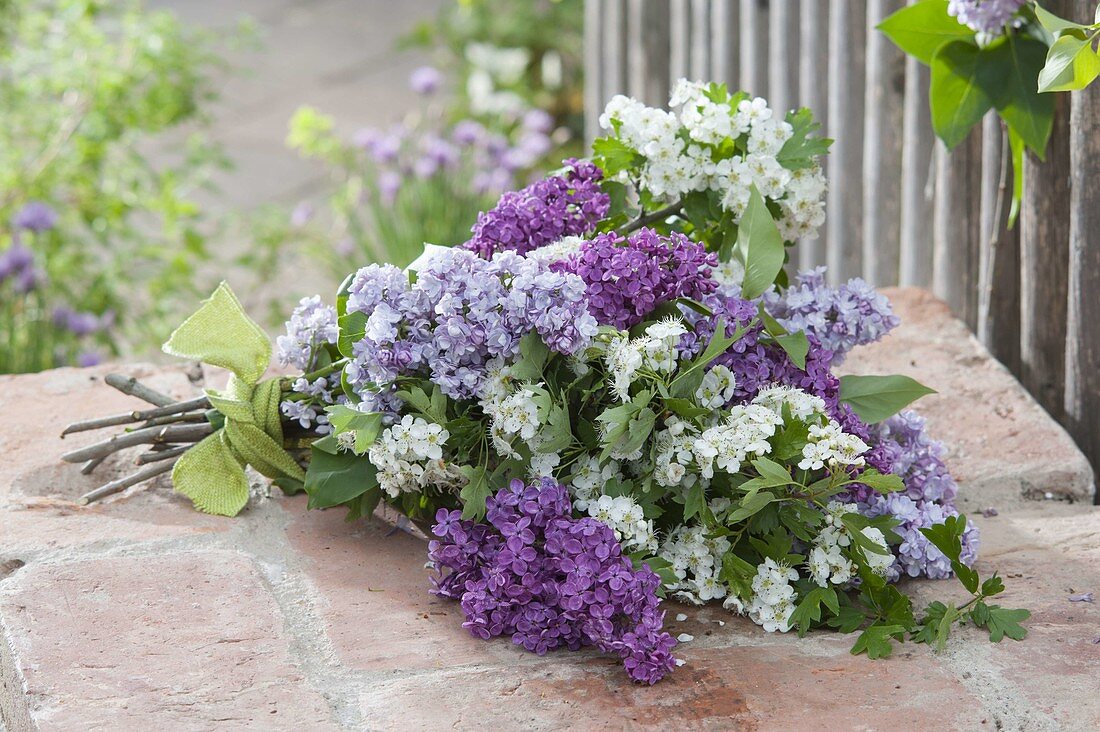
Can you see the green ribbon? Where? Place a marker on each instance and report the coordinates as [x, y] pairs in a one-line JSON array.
[[211, 473]]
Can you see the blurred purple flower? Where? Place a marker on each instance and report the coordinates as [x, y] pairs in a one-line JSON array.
[[301, 214], [389, 183], [426, 80], [538, 120], [425, 167], [36, 216], [468, 132], [89, 358]]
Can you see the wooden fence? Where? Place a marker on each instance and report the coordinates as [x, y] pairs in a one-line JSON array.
[[901, 209]]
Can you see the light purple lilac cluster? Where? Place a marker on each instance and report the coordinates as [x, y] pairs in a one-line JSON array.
[[312, 327], [461, 312], [627, 278], [550, 580], [928, 499], [840, 318], [985, 16], [569, 204]]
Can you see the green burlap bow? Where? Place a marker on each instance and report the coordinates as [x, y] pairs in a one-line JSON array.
[[211, 473]]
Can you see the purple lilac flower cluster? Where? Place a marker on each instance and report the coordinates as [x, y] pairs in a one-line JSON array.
[[928, 499], [312, 326], [840, 318], [563, 205], [628, 278], [489, 162], [17, 261], [984, 16], [550, 581], [461, 312]]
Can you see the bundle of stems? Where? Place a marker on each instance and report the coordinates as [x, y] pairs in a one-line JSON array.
[[170, 428]]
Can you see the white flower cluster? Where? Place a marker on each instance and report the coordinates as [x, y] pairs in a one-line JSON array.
[[832, 446], [625, 517], [827, 562], [716, 389], [802, 404], [654, 351], [588, 477], [675, 166], [511, 416], [674, 454], [773, 596], [557, 251], [409, 456], [696, 561], [743, 435]]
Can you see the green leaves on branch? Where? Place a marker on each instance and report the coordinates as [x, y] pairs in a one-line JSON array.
[[875, 398], [922, 28], [1071, 64], [759, 247]]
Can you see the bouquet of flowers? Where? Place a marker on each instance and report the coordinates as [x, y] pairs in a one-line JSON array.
[[610, 394]]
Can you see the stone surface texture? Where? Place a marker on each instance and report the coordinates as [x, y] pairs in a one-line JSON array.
[[139, 613]]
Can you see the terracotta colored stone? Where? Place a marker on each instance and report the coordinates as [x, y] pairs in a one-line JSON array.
[[375, 601], [1001, 444], [40, 491], [190, 641], [744, 687]]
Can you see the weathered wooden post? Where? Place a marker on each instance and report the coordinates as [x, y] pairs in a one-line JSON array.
[[1082, 390], [955, 226], [1044, 254], [843, 224], [998, 251], [884, 101], [813, 93]]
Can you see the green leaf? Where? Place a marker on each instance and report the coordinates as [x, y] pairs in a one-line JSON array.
[[1012, 80], [808, 612], [475, 492], [615, 155], [556, 430], [881, 483], [1054, 24], [935, 625], [796, 344], [685, 408], [875, 640], [957, 96], [922, 28], [803, 148], [352, 328], [875, 398], [847, 620], [1000, 621], [1071, 64], [1016, 145], [333, 479], [759, 247], [695, 501], [993, 586], [366, 426], [533, 357], [750, 506], [947, 537], [774, 474]]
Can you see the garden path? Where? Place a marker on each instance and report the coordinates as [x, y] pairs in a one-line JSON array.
[[139, 613]]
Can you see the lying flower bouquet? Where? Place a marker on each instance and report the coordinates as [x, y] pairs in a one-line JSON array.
[[609, 394]]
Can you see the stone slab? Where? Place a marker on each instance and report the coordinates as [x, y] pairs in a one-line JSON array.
[[1001, 444], [191, 641]]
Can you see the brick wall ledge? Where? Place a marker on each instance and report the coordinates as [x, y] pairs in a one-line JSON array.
[[140, 613]]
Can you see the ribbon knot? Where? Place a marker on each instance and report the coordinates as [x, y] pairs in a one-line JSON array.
[[211, 473]]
